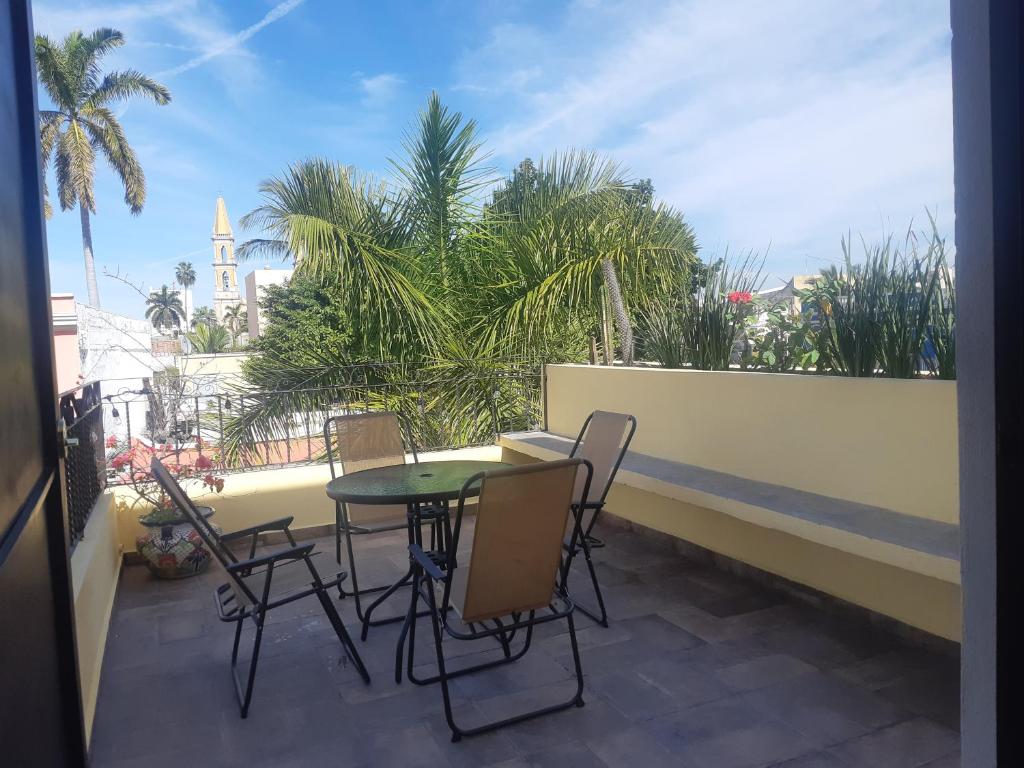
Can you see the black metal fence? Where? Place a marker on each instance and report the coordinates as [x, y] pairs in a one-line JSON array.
[[85, 470], [241, 427]]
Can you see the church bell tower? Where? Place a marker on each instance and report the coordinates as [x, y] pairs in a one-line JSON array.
[[225, 282]]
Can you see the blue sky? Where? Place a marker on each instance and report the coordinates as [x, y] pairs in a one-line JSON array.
[[776, 127]]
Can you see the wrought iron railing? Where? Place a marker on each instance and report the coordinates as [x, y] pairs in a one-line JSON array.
[[85, 472], [241, 427]]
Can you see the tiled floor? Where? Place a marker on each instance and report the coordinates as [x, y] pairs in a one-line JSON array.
[[699, 668]]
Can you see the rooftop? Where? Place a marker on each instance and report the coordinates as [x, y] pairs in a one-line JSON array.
[[699, 667]]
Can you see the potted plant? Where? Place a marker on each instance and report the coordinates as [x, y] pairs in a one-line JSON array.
[[172, 547]]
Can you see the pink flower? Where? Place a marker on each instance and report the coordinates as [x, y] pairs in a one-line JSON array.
[[122, 460], [740, 297], [111, 442]]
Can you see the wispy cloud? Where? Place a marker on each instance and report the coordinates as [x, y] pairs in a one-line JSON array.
[[232, 42], [783, 123], [380, 89]]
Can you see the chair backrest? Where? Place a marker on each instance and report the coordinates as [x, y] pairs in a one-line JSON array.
[[517, 541], [221, 557], [360, 441], [603, 442]]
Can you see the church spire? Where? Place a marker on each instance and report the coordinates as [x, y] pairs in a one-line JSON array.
[[221, 224]]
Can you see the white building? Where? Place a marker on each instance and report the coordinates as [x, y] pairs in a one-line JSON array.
[[256, 283]]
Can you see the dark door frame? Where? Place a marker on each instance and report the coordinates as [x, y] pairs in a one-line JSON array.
[[988, 132], [50, 489]]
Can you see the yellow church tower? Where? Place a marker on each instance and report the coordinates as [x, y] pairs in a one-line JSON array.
[[225, 282]]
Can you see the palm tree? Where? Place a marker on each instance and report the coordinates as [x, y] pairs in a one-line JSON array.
[[83, 121], [570, 243], [235, 319], [203, 316], [345, 224], [164, 309], [185, 276], [209, 339]]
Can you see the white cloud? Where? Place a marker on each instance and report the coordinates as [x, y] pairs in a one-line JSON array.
[[783, 123], [380, 89], [221, 45]]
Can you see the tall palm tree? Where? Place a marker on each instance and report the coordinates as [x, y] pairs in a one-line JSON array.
[[203, 316], [83, 121], [164, 309], [185, 276]]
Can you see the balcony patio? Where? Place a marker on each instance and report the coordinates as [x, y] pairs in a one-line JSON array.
[[767, 607], [698, 668]]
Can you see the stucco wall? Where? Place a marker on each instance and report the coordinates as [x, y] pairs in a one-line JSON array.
[[95, 565], [886, 442]]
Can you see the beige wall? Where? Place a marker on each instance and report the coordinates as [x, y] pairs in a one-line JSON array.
[[258, 496], [95, 565], [224, 364], [887, 442]]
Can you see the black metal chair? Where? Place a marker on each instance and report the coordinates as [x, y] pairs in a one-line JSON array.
[[603, 441], [511, 581], [251, 590], [360, 441]]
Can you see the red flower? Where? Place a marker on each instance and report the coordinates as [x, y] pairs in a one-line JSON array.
[[203, 463], [121, 460], [111, 442], [210, 480], [740, 297]]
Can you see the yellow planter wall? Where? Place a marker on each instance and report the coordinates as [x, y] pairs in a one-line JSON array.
[[886, 442], [95, 566], [267, 494]]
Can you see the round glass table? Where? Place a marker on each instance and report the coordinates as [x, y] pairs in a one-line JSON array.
[[415, 485], [421, 483]]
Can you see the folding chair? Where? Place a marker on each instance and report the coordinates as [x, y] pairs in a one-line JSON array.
[[511, 580], [603, 442], [248, 594], [366, 441]]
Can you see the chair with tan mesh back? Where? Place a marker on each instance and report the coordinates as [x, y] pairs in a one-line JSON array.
[[366, 441], [258, 584], [509, 583], [603, 441]]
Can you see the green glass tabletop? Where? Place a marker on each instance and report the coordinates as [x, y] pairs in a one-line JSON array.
[[408, 483]]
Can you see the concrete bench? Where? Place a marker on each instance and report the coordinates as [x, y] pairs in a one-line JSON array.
[[927, 547]]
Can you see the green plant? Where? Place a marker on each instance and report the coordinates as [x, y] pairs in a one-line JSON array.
[[661, 328], [84, 121], [783, 341], [940, 354], [203, 316], [874, 316], [713, 316], [209, 339]]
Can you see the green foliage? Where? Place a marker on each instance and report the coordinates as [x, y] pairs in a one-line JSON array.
[[209, 339], [203, 316], [713, 316], [185, 274], [303, 315], [941, 358], [875, 316], [164, 309], [782, 342]]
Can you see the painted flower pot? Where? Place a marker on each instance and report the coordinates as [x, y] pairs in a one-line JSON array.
[[172, 548]]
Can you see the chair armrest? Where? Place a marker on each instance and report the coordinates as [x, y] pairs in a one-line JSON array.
[[293, 553], [423, 559], [273, 525]]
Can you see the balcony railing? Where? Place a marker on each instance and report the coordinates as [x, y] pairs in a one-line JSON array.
[[445, 406], [85, 473]]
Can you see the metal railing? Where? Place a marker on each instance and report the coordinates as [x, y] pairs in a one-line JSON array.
[[243, 428], [85, 470]]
